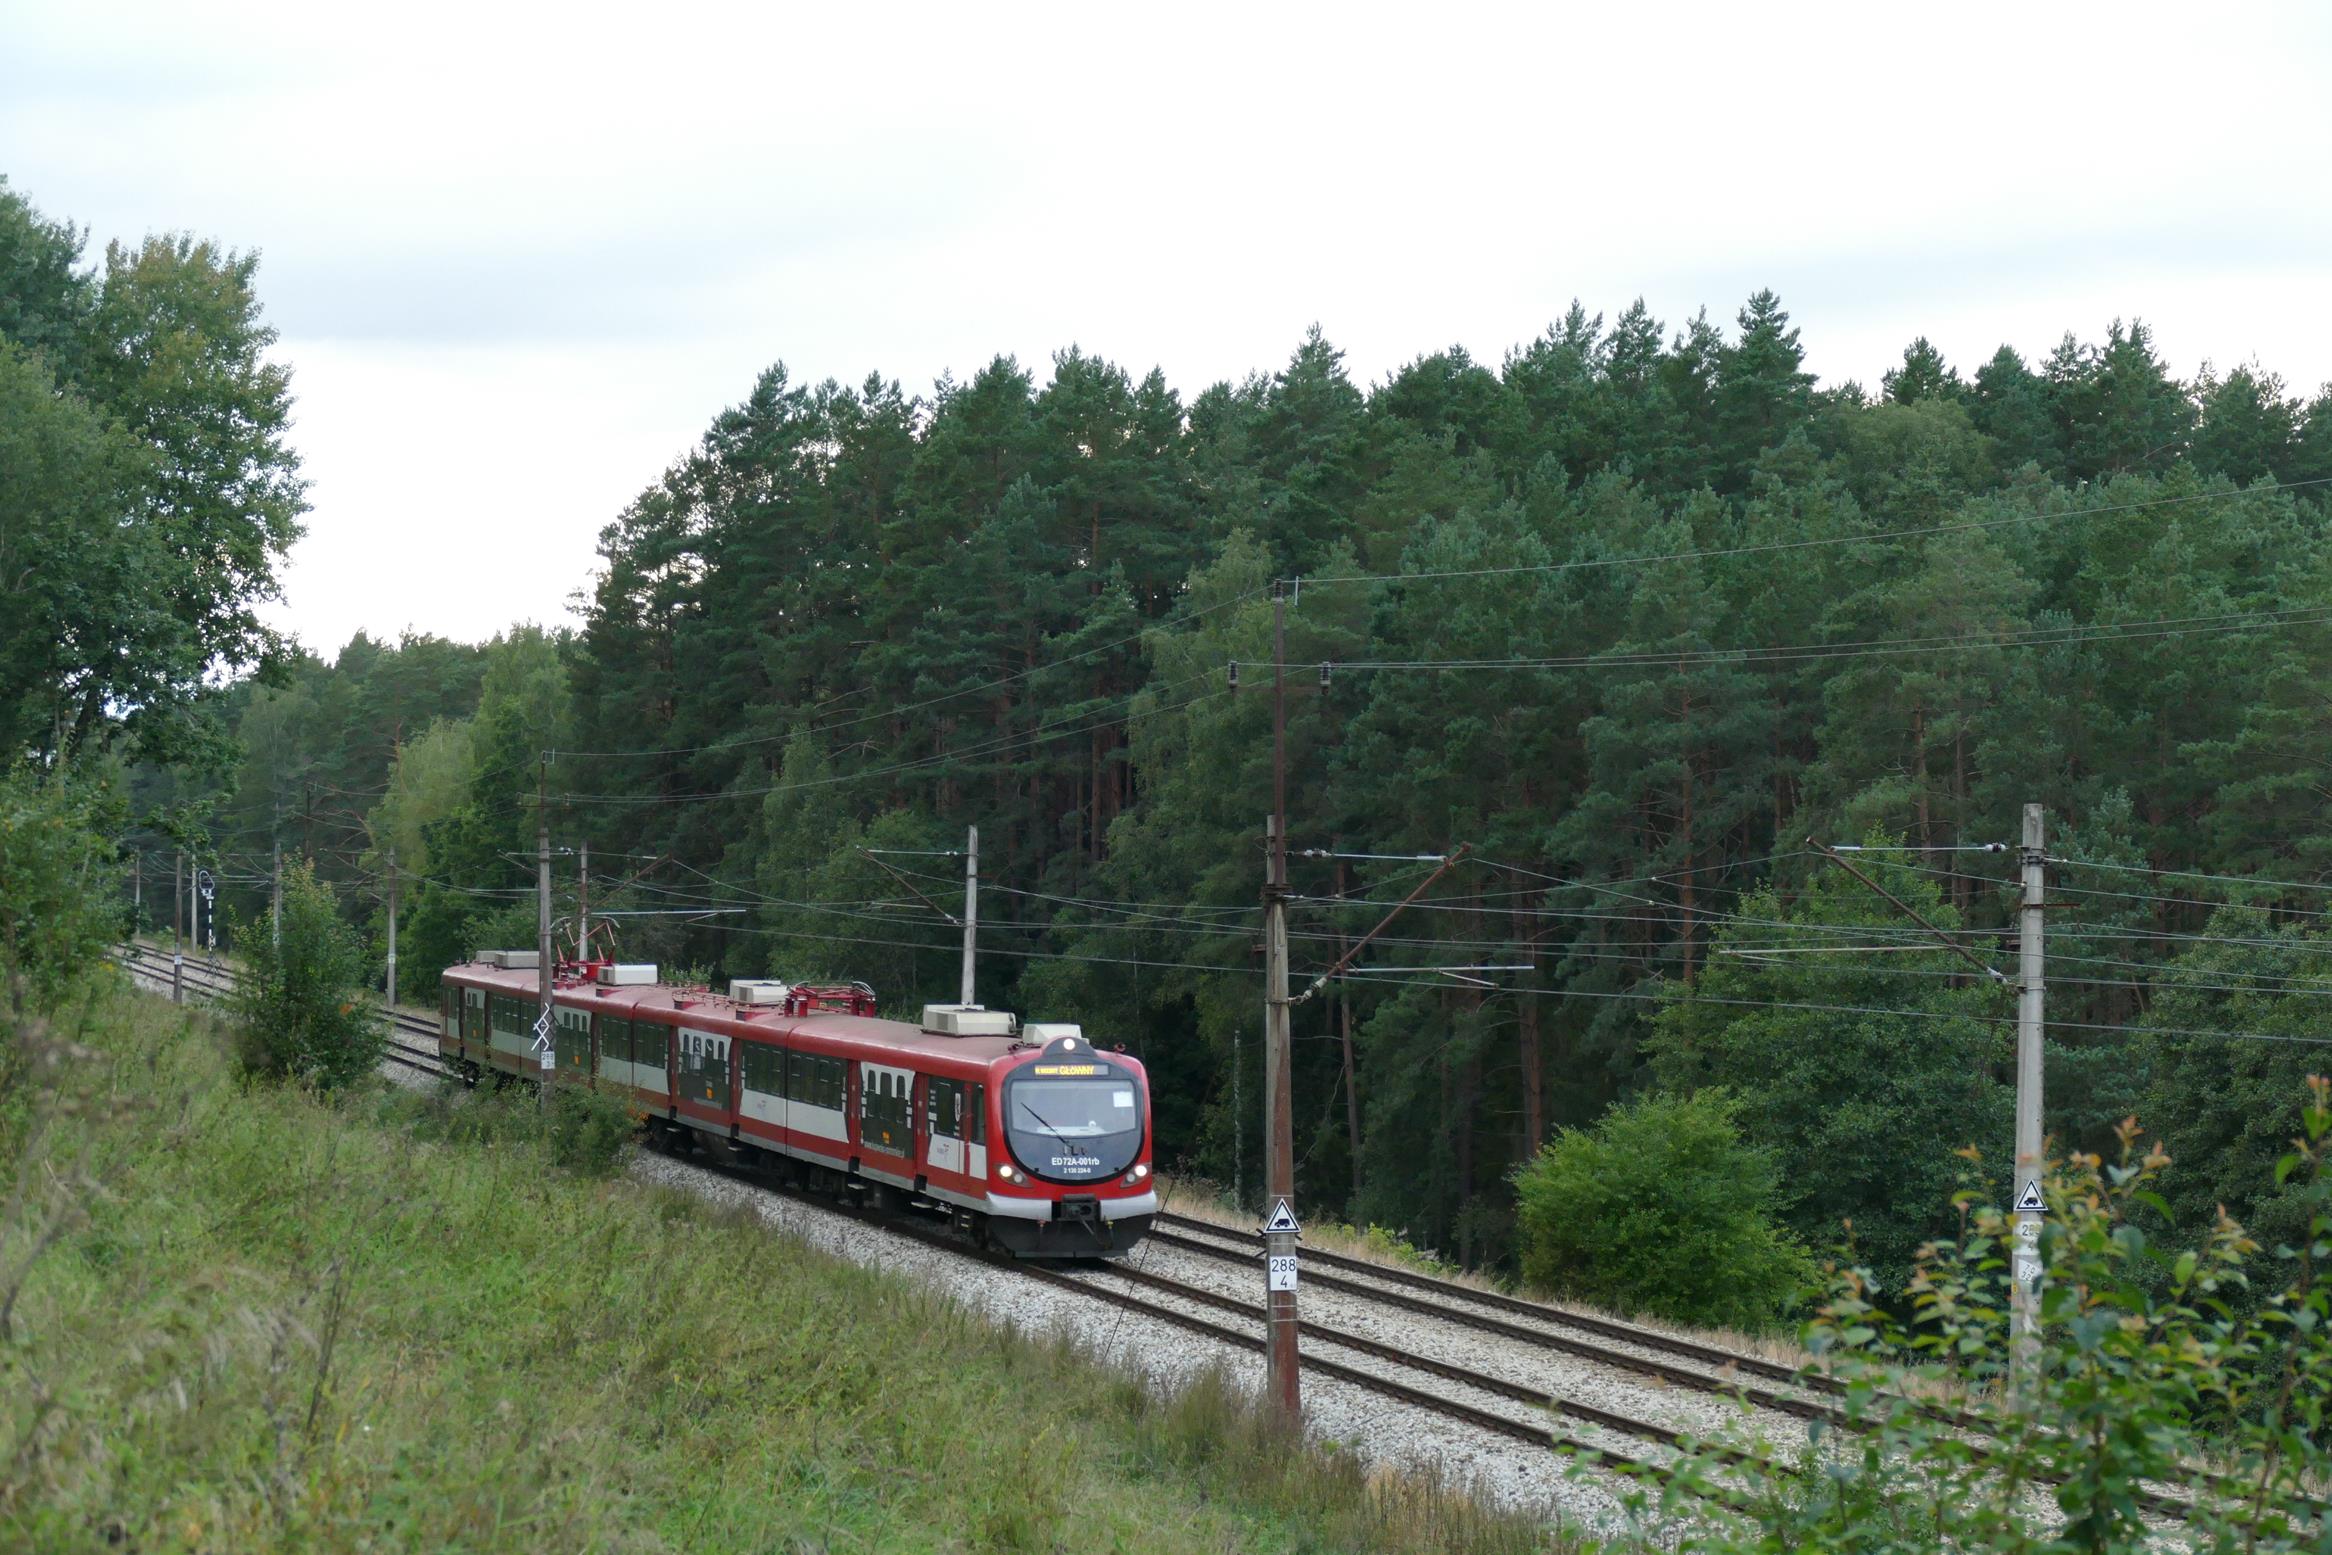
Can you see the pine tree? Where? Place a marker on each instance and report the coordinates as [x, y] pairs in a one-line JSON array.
[[2010, 405], [1863, 1074], [1762, 387], [2248, 425], [1923, 376]]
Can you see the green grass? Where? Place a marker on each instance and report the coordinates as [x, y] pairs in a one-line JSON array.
[[247, 1319]]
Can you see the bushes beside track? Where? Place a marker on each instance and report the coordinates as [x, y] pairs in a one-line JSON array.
[[247, 1317]]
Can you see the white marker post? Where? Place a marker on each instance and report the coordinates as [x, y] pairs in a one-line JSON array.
[[206, 885], [1279, 1264]]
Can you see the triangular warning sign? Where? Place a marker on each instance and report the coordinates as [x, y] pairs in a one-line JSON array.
[[2030, 1202], [1282, 1218]]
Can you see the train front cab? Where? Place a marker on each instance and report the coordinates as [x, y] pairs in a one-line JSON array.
[[1072, 1128]]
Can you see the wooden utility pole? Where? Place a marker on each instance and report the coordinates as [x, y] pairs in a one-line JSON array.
[[178, 929], [547, 1032], [2030, 1030], [392, 956], [1351, 1074], [1279, 1153]]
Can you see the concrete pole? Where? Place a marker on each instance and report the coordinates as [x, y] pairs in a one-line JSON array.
[[2030, 1027], [971, 910], [137, 895], [275, 895], [542, 927], [392, 956], [1279, 1161], [583, 905], [178, 904]]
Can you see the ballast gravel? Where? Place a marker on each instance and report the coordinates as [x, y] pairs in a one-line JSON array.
[[1497, 1469], [1598, 1385]]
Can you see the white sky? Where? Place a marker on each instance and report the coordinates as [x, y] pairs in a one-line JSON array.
[[521, 256]]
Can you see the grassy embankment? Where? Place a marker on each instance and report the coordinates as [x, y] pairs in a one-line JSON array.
[[241, 1318]]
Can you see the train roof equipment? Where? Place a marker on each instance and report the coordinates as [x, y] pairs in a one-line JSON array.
[[968, 1020]]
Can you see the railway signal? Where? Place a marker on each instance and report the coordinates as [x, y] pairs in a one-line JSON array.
[[206, 929]]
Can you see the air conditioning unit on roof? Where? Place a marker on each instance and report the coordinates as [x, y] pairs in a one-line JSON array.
[[513, 960], [967, 1020], [628, 974], [758, 990], [1043, 1031]]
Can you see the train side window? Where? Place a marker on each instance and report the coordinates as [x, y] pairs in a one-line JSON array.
[[760, 1066], [975, 1104], [944, 1105]]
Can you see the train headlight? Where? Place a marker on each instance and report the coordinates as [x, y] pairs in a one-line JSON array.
[[1006, 1172], [1139, 1173]]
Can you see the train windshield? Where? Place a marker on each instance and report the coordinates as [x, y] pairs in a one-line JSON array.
[[1074, 1130]]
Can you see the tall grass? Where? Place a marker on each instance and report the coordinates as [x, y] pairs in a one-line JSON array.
[[249, 1318]]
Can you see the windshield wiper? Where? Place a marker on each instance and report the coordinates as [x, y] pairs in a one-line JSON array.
[[1041, 1123]]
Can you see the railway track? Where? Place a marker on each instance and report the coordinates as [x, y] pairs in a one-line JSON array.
[[1179, 1310], [210, 981], [1485, 1309], [1465, 1305], [1404, 1290], [1547, 1335], [1091, 1282]]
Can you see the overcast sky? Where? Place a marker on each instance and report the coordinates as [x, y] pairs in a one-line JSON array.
[[520, 257]]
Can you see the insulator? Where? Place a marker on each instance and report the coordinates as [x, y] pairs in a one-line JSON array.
[[1324, 669], [1234, 674]]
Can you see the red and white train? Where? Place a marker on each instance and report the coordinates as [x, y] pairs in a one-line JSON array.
[[1029, 1137]]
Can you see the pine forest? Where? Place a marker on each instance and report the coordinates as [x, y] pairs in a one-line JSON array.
[[1641, 616]]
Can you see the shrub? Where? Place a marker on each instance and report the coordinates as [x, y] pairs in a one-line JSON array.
[[587, 1130], [1661, 1208], [2143, 1377], [302, 1011], [584, 1132], [56, 913]]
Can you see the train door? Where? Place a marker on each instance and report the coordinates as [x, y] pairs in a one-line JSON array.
[[473, 1017], [885, 1110], [975, 1115], [943, 1125]]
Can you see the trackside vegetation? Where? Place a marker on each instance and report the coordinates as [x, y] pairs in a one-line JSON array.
[[59, 875], [2195, 1367], [301, 1008], [254, 1316], [1662, 1209]]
